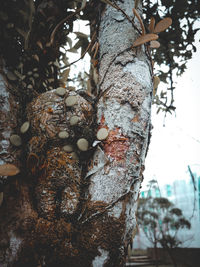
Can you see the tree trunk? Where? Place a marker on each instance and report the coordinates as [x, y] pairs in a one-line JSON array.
[[67, 209]]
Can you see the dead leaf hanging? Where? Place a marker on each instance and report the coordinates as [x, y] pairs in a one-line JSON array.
[[145, 38], [154, 44], [151, 25], [163, 25], [135, 12], [8, 170], [65, 75], [156, 81]]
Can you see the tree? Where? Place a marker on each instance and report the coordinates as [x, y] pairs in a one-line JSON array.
[[161, 221], [67, 199]]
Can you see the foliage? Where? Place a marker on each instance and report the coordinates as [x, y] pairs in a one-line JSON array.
[[177, 44], [160, 219], [35, 34]]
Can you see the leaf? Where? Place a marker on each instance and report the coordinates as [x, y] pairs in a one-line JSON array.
[[145, 38], [69, 41], [39, 44], [140, 20], [8, 170], [81, 35], [72, 50], [163, 25], [77, 45], [151, 25], [154, 44], [65, 75], [83, 4], [156, 81]]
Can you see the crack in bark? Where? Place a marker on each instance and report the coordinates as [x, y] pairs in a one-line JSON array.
[[110, 205]]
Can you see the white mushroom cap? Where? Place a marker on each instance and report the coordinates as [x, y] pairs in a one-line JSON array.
[[82, 144], [102, 134], [15, 140], [71, 101], [63, 135], [25, 126]]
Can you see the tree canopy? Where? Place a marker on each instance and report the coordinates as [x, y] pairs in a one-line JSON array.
[[34, 31]]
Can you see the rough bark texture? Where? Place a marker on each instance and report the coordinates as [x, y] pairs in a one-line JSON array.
[[125, 86], [67, 209]]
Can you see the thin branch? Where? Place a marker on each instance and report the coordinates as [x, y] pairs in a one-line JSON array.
[[82, 56], [63, 21]]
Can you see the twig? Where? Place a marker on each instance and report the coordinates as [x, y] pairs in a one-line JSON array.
[[82, 56], [61, 22]]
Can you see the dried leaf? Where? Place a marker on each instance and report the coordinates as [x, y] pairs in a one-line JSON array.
[[8, 170], [156, 81], [140, 20], [39, 44], [154, 44], [145, 38], [65, 75], [151, 25], [137, 3], [96, 50], [163, 25]]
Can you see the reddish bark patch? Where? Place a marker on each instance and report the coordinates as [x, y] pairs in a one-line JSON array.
[[136, 118], [116, 145]]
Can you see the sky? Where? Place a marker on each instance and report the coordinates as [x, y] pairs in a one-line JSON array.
[[177, 144]]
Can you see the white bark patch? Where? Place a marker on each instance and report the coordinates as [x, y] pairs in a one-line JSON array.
[[117, 115], [109, 186], [116, 210], [4, 94], [5, 107], [140, 70], [100, 260], [15, 243]]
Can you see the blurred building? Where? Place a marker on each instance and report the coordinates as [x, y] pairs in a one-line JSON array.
[[185, 194]]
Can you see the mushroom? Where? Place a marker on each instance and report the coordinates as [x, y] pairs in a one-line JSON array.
[[82, 144]]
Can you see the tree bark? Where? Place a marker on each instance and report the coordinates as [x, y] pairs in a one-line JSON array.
[[79, 210]]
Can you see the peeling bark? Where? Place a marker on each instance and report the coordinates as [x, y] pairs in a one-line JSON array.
[[77, 208]]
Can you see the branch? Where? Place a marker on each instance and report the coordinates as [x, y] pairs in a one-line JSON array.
[[82, 56], [63, 21]]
